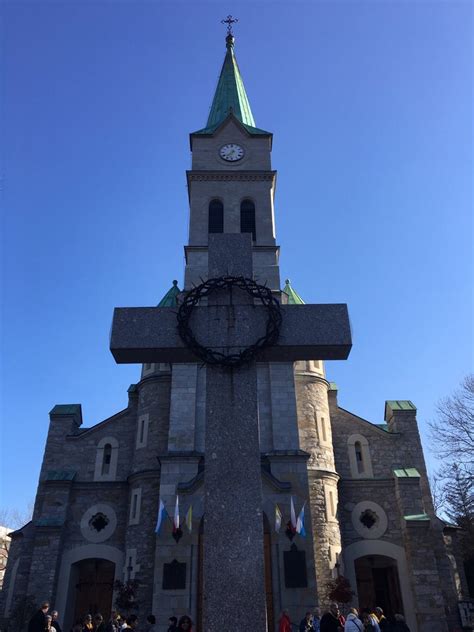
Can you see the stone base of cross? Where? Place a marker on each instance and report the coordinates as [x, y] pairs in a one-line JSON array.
[[233, 567]]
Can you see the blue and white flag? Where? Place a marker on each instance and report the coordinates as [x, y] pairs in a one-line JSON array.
[[162, 513], [300, 522]]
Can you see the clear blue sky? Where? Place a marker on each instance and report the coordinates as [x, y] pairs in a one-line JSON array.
[[370, 104]]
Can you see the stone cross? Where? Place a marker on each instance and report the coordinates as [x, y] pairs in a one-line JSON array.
[[233, 566]]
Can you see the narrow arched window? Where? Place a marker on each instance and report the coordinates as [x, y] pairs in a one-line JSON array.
[[216, 216], [106, 459], [247, 218], [359, 457]]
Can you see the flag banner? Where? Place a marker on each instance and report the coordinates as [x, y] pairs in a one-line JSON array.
[[278, 517], [177, 531], [162, 513], [176, 514], [290, 530], [292, 514], [189, 519], [300, 522]]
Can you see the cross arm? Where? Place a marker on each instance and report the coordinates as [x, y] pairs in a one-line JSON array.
[[308, 332]]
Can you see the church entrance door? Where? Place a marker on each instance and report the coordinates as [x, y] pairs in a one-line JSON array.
[[93, 587], [267, 548], [378, 584]]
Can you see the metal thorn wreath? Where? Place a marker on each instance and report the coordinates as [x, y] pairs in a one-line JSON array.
[[216, 358]]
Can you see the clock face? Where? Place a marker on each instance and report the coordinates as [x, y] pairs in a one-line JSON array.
[[231, 152]]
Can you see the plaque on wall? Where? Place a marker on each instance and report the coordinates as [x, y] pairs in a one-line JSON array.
[[174, 576], [294, 562]]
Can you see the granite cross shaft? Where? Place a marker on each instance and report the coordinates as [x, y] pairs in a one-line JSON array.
[[233, 567]]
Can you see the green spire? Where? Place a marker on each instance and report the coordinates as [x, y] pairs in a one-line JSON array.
[[293, 297], [230, 93], [170, 298]]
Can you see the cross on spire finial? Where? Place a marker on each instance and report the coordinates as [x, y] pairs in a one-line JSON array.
[[229, 21]]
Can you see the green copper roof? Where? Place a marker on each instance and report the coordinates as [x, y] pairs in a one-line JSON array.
[[66, 409], [169, 299], [293, 297], [230, 93], [407, 472], [60, 475], [230, 98], [417, 518], [399, 404]]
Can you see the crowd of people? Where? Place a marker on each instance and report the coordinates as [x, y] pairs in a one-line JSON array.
[[42, 621], [334, 621]]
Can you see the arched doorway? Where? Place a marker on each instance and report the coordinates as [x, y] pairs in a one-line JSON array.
[[267, 551], [92, 582], [378, 583]]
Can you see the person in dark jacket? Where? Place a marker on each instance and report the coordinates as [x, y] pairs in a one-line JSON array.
[[384, 623], [185, 624], [132, 622], [173, 624], [38, 620], [399, 624], [114, 622], [306, 624], [330, 621], [55, 622], [99, 623]]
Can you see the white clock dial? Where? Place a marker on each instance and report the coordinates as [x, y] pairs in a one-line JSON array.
[[231, 152]]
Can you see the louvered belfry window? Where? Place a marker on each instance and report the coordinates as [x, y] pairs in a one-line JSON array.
[[216, 216], [247, 218]]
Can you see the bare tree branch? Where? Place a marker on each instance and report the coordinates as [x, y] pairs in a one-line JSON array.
[[438, 494], [452, 433], [16, 518]]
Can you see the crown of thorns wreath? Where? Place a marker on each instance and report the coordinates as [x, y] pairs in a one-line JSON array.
[[231, 360]]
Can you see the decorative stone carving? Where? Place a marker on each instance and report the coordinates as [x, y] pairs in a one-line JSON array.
[[98, 523], [369, 519]]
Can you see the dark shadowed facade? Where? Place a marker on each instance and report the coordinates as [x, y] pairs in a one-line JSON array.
[[368, 515]]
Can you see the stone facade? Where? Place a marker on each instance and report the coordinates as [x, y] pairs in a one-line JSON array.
[[368, 509], [158, 452]]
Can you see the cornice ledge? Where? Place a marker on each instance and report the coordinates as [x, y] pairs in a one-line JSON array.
[[285, 455], [231, 175], [182, 455], [143, 474], [318, 472]]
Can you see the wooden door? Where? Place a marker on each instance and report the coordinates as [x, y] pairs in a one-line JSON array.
[[94, 588]]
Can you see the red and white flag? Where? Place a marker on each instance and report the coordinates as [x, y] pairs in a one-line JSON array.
[[293, 514], [176, 515]]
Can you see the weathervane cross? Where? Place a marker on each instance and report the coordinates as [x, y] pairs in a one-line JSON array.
[[229, 21]]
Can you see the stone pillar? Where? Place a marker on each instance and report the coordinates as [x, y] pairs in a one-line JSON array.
[[149, 441], [401, 418], [314, 427], [51, 503], [47, 549], [420, 543]]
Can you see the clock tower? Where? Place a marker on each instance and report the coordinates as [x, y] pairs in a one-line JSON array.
[[231, 184]]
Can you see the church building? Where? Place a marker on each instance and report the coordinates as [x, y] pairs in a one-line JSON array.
[[359, 489]]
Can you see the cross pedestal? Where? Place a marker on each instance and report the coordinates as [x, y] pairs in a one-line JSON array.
[[233, 570]]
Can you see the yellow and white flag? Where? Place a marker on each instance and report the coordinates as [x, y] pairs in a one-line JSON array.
[[278, 517], [189, 519]]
